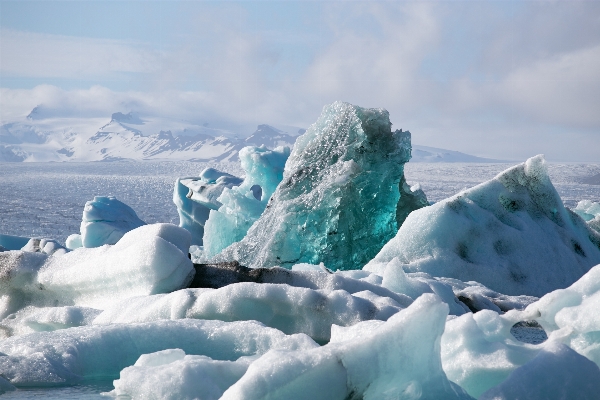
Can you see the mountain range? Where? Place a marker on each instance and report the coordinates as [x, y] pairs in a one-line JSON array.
[[39, 138]]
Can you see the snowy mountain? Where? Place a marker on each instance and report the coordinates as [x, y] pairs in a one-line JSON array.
[[126, 137], [41, 137]]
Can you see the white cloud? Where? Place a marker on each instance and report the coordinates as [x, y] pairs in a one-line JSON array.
[[28, 54]]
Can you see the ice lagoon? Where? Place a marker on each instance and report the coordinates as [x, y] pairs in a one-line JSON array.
[[397, 329]]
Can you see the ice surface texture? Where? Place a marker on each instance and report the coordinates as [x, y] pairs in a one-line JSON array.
[[338, 200], [590, 212], [242, 205], [147, 260], [99, 352], [512, 234], [105, 221], [196, 196]]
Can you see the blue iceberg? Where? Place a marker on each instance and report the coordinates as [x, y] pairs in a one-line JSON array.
[[338, 202]]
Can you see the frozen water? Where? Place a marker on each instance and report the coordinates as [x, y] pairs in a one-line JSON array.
[[195, 197], [88, 353], [105, 221], [289, 309], [396, 359], [557, 372], [338, 200], [171, 374], [512, 234], [242, 205]]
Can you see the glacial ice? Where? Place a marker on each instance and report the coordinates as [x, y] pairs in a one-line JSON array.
[[242, 205], [287, 308], [105, 221], [338, 201], [590, 212], [556, 372], [69, 356], [171, 374], [511, 234], [196, 196], [148, 260], [398, 359]]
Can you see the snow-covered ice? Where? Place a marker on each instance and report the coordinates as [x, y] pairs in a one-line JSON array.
[[512, 234]]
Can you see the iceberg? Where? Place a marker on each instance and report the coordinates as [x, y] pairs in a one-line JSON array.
[[399, 358], [511, 234], [242, 205], [287, 308], [70, 356], [196, 196], [148, 260], [338, 200], [590, 212], [557, 372], [105, 221], [171, 374]]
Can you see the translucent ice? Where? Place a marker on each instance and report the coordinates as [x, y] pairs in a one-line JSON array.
[[590, 212], [287, 308], [571, 315], [242, 205], [171, 374], [511, 234], [338, 201], [557, 372], [147, 260], [397, 359], [99, 352], [105, 221], [196, 196]]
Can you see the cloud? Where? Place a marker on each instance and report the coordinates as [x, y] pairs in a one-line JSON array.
[[500, 79], [29, 54]]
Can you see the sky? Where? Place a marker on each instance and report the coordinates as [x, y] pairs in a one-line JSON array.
[[500, 79]]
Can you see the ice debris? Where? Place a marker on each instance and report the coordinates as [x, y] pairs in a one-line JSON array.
[[512, 234], [243, 204], [105, 221], [556, 372], [148, 260], [338, 201], [159, 375], [590, 212], [68, 356], [399, 358], [196, 196]]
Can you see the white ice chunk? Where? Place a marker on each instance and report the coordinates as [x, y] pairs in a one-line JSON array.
[[399, 359], [287, 308], [39, 319], [105, 221], [74, 241], [511, 234], [171, 374], [99, 352], [557, 372], [18, 283], [147, 260]]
